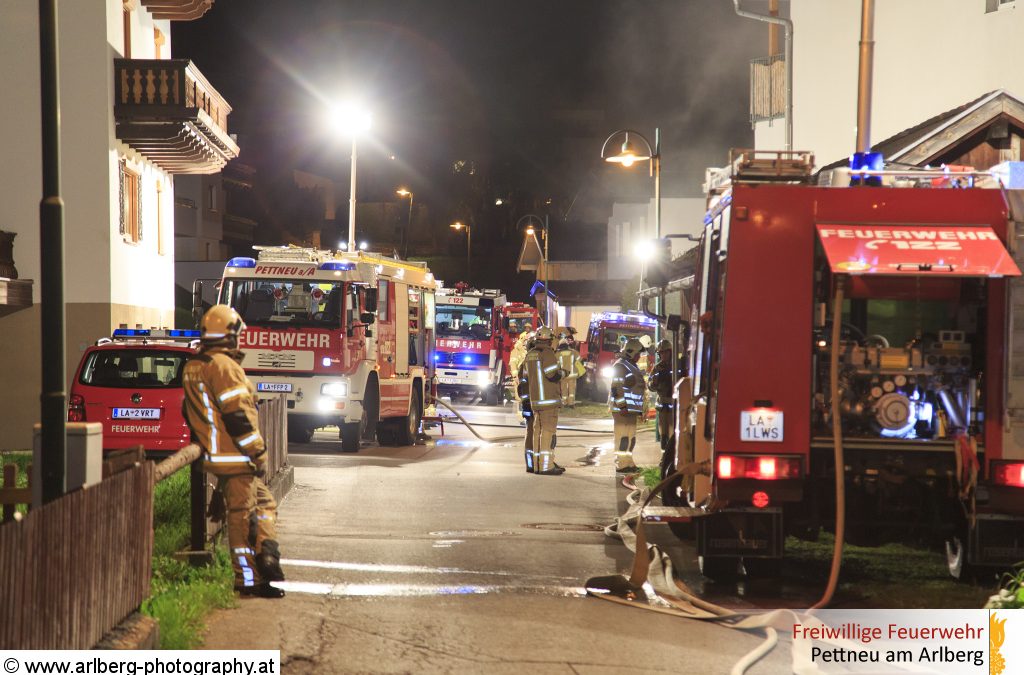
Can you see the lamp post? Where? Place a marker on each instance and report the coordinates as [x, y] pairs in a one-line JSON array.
[[629, 155], [351, 120], [458, 225], [531, 232], [404, 192]]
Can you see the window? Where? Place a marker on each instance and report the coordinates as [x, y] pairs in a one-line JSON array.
[[160, 248], [211, 197], [158, 41], [284, 302], [996, 5], [459, 321], [382, 300], [130, 193], [133, 368]]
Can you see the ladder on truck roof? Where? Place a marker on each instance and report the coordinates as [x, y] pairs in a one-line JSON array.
[[759, 166]]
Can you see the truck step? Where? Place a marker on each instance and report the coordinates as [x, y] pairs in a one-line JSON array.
[[672, 514]]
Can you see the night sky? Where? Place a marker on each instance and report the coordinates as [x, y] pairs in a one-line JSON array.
[[527, 83]]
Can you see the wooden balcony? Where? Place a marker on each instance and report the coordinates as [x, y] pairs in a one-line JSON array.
[[167, 110], [177, 10], [767, 88]]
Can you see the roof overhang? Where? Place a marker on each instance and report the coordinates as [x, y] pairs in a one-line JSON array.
[[922, 250]]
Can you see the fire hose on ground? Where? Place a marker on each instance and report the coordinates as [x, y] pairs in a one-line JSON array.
[[652, 568]]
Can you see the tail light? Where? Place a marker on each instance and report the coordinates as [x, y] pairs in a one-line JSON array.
[[1008, 473], [76, 409], [758, 467]]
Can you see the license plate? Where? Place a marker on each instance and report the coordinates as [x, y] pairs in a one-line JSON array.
[[279, 387], [448, 380], [761, 424], [136, 414]]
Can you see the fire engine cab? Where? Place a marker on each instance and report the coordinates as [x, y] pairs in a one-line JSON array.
[[607, 332], [475, 333], [872, 321], [344, 335]]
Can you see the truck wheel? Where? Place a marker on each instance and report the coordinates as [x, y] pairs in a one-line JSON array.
[[718, 568], [351, 434], [762, 568], [406, 428], [300, 433], [371, 410]]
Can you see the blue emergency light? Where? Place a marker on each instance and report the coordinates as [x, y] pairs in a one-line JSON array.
[[132, 332], [183, 334], [242, 262], [334, 266]]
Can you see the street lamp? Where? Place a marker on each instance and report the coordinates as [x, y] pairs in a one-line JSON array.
[[458, 225], [405, 192], [629, 155], [351, 120], [531, 232]]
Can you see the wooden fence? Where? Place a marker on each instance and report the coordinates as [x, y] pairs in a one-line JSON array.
[[73, 569], [274, 427]]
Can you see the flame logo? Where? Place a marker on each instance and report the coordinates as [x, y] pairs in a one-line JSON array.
[[996, 636]]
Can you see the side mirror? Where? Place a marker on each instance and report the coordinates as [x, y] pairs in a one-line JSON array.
[[370, 301], [367, 318], [197, 302]]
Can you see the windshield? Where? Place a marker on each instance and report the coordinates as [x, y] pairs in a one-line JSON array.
[[614, 339], [519, 322], [463, 322], [133, 368], [276, 302]]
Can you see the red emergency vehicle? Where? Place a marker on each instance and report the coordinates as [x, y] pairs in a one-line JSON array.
[[475, 333], [131, 383], [919, 276], [607, 332], [344, 335]]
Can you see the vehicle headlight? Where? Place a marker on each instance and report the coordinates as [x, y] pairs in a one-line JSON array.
[[325, 404], [483, 378], [335, 389], [607, 372]]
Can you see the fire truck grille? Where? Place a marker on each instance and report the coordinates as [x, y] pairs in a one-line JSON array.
[[276, 360]]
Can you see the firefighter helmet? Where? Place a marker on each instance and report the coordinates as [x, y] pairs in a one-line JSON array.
[[632, 349], [563, 343], [545, 334], [219, 323], [664, 346]]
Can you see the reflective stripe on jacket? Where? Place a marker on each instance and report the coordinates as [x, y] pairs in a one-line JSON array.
[[543, 375], [627, 388], [569, 361], [220, 409]]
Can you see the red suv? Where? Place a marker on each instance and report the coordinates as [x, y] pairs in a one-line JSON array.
[[132, 384]]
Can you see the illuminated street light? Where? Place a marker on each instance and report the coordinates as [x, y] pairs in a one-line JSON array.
[[629, 155], [532, 232], [458, 226], [405, 192], [644, 250], [351, 120], [499, 201]]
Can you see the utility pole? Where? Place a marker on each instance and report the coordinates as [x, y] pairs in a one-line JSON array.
[[53, 436]]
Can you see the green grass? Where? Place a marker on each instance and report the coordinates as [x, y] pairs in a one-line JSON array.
[[1011, 595], [21, 459], [650, 476], [892, 575], [180, 595]]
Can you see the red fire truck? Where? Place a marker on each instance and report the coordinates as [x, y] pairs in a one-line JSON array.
[[914, 389], [606, 334], [475, 332], [344, 336]]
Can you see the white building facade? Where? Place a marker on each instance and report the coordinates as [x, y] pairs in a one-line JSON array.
[[632, 223], [930, 56], [131, 119]]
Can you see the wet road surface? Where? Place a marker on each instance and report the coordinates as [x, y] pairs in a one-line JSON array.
[[448, 557]]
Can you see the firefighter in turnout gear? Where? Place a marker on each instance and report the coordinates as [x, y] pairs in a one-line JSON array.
[[542, 376], [662, 381], [220, 408], [523, 392], [626, 400], [569, 361]]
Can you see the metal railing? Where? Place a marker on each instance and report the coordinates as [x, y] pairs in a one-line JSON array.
[[767, 88]]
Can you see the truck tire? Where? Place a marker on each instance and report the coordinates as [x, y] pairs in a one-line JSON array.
[[371, 409], [762, 568], [351, 434], [718, 568], [300, 433], [405, 429]]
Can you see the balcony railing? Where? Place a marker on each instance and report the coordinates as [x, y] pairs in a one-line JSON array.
[[177, 10], [767, 88], [167, 110]]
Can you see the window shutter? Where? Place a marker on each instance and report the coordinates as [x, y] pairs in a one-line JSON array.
[[122, 199]]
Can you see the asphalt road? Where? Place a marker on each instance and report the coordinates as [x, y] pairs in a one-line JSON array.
[[448, 558]]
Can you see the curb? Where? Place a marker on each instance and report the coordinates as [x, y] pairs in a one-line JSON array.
[[135, 632]]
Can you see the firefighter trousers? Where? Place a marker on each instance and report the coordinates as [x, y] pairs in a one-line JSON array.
[[665, 426], [246, 496], [528, 444], [568, 390], [625, 438], [545, 423]]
